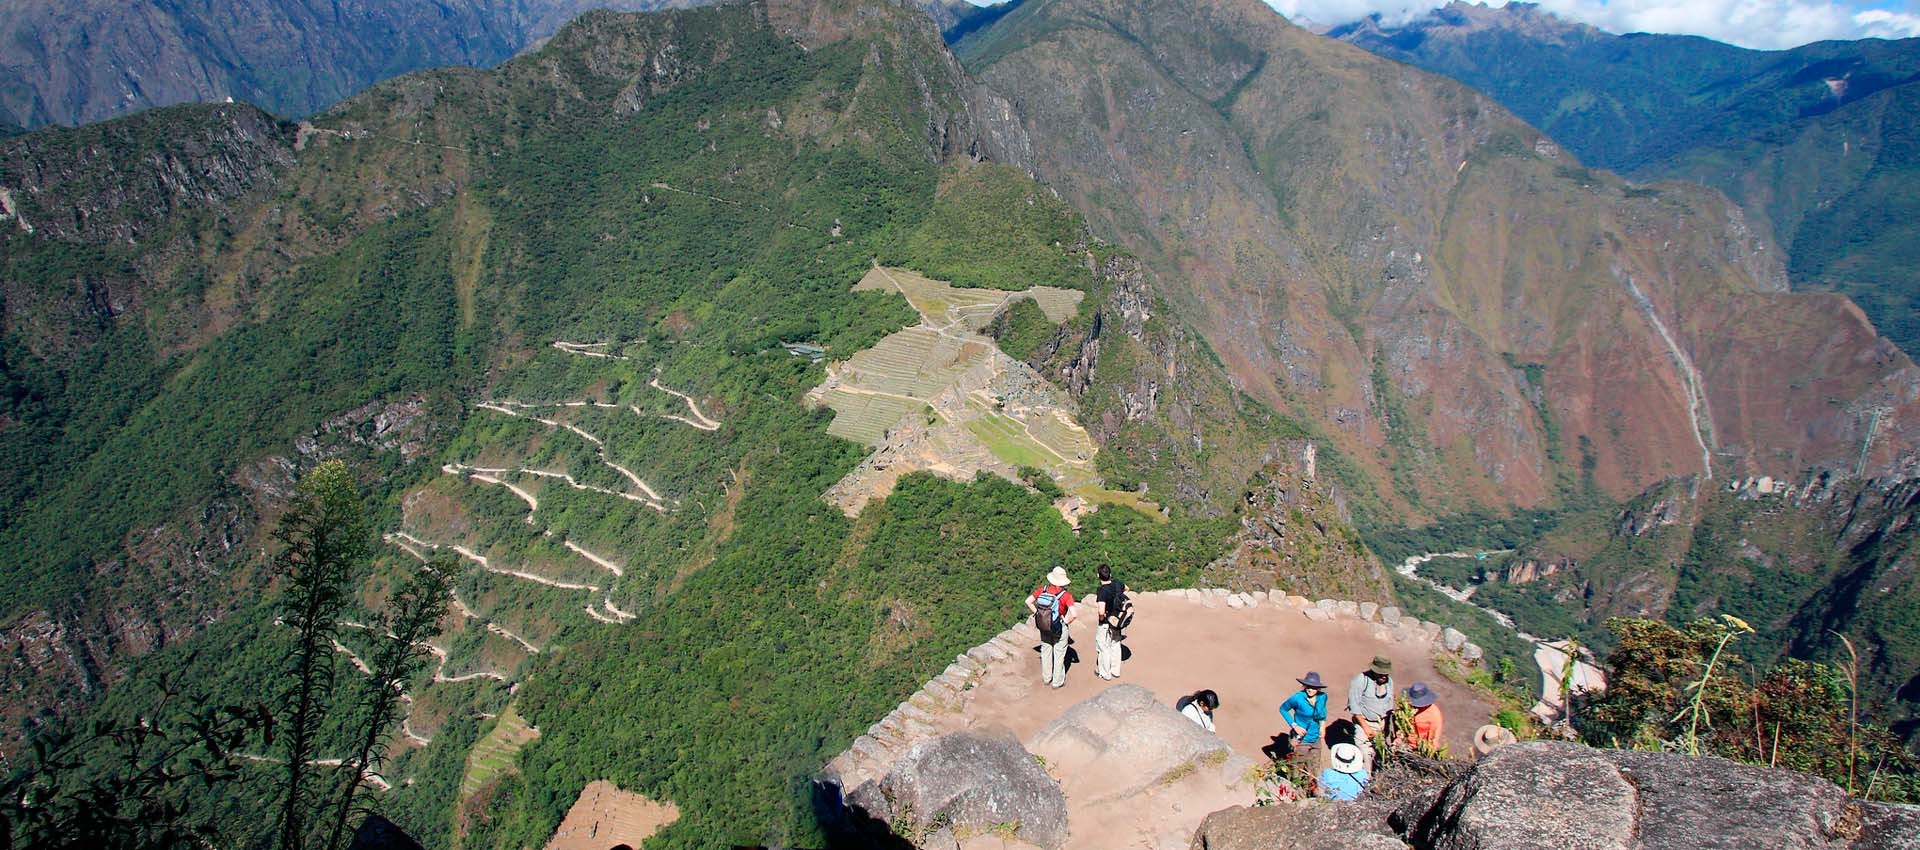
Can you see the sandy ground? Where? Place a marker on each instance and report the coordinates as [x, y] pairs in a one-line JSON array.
[[605, 816], [1250, 656]]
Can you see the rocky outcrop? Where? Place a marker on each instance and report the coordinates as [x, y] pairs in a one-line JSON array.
[[1309, 825], [1125, 741], [1554, 796], [975, 782], [1296, 536], [114, 183]]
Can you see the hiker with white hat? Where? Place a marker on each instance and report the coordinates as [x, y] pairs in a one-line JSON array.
[[1346, 777], [1052, 608]]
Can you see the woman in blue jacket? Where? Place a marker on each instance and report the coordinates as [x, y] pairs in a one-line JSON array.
[[1305, 711]]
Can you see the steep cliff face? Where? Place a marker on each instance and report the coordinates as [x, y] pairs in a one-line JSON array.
[[1478, 317], [1815, 143]]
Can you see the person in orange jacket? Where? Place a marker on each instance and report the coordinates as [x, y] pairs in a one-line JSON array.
[[1429, 724]]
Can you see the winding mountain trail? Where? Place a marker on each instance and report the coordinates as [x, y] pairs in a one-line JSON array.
[[1697, 410], [652, 499], [453, 598], [352, 657], [368, 776], [487, 476], [480, 559], [699, 420], [603, 562], [588, 349]]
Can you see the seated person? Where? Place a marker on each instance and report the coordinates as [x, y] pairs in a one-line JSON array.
[[1198, 707], [1346, 777]]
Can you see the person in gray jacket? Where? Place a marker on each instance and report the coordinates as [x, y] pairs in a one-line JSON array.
[[1370, 700]]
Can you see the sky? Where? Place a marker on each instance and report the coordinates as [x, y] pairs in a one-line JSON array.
[[1764, 24]]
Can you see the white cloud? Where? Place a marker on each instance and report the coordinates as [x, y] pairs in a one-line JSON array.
[[1767, 24]]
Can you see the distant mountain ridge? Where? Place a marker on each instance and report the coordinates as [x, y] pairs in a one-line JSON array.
[[1816, 143], [74, 62]]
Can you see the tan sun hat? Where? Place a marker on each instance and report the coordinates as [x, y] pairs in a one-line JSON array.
[[1491, 737], [1058, 577]]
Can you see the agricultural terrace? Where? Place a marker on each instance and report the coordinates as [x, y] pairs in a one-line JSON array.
[[942, 397]]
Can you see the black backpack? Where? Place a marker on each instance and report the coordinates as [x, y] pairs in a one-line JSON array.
[[1047, 615], [1119, 608]]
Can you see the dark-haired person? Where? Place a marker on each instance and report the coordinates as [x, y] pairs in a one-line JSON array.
[[1110, 605], [1198, 707]]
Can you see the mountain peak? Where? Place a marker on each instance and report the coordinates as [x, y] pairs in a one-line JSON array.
[[1459, 19]]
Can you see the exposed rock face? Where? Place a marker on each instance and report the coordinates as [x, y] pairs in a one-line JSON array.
[[978, 781], [1477, 317], [1295, 535], [1562, 796], [1311, 825], [1122, 742], [1556, 796]]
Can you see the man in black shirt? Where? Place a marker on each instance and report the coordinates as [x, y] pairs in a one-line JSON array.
[[1110, 605]]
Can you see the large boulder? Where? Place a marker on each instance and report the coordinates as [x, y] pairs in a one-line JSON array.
[[1564, 798], [977, 781], [1122, 742], [1541, 796], [1303, 825], [1556, 796]]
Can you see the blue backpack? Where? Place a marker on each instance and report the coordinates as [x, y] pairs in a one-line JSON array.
[[1047, 615]]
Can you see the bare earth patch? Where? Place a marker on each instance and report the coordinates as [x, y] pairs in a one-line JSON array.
[[605, 816]]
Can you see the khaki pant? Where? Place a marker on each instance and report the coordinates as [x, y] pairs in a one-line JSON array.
[[1053, 662], [1106, 653]]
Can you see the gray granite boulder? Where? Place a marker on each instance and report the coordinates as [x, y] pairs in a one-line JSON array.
[[977, 780], [1123, 741]]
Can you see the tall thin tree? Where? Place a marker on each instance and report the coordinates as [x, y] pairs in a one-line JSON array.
[[412, 616], [325, 542]]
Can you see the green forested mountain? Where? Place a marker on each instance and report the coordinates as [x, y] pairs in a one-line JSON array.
[[202, 301], [608, 325], [1816, 142]]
